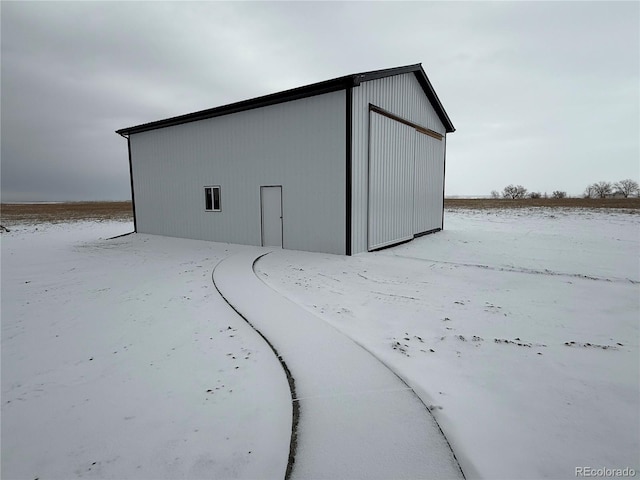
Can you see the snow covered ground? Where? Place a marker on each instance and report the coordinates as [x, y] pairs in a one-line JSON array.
[[518, 328], [120, 360], [355, 419]]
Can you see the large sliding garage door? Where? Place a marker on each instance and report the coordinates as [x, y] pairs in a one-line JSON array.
[[406, 175], [391, 169], [429, 178]]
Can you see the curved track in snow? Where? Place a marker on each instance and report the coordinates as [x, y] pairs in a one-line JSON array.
[[290, 379], [354, 418]]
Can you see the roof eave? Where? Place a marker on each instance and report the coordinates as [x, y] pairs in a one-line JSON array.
[[266, 100]]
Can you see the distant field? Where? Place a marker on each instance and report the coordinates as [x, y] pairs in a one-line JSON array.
[[11, 213], [486, 203], [64, 212]]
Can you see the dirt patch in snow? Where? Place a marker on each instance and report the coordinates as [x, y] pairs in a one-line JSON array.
[[14, 213]]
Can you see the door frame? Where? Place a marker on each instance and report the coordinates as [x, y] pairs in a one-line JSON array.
[[262, 215]]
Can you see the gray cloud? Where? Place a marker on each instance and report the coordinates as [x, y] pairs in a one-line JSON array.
[[543, 94]]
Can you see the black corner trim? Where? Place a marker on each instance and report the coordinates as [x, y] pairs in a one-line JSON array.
[[133, 196], [120, 236], [348, 186]]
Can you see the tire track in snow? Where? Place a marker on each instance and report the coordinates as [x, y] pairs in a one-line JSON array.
[[290, 380], [467, 462], [522, 270], [400, 377]]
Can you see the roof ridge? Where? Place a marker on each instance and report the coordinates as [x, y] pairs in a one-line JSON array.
[[318, 88]]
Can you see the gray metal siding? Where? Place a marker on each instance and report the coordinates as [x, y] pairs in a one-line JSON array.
[[429, 174], [391, 170], [298, 144], [402, 96]]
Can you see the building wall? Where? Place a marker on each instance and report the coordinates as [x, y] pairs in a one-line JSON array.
[[403, 96], [429, 169], [298, 144]]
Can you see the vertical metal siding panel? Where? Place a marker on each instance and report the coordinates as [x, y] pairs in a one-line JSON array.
[[299, 145], [408, 182], [438, 184], [402, 96], [420, 218], [428, 191], [391, 182], [359, 159], [374, 188], [433, 184], [433, 191], [375, 193], [429, 178]]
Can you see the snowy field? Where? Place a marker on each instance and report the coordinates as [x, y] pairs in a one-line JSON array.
[[519, 329], [120, 360]]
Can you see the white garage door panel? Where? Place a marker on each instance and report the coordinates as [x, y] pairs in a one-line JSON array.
[[391, 181], [271, 198], [428, 183]]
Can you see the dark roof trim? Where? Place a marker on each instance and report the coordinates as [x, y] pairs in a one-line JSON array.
[[320, 88], [433, 98]]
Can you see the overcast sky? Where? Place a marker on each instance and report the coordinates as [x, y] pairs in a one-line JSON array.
[[541, 94]]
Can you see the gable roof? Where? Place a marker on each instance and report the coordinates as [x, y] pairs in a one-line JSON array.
[[327, 86]]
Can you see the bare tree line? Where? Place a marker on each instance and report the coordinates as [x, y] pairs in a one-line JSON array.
[[626, 188]]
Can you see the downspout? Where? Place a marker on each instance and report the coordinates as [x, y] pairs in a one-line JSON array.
[[133, 197], [444, 168]]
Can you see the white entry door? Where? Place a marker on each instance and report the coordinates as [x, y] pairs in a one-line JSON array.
[[271, 204]]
